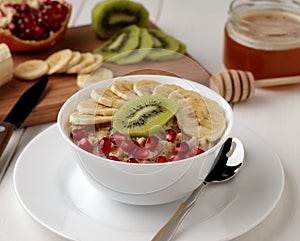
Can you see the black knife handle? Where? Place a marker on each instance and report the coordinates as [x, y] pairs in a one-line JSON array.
[[6, 131]]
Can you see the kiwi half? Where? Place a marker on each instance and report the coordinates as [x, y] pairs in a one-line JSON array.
[[110, 16], [140, 116], [165, 46], [137, 55], [127, 39]]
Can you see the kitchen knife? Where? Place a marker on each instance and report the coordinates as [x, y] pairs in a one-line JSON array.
[[19, 113]]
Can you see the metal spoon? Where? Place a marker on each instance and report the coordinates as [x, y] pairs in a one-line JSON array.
[[226, 166]]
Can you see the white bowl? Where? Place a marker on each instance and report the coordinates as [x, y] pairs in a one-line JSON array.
[[144, 184]]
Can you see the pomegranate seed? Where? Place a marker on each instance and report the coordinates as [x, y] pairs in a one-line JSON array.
[[104, 145], [24, 7], [47, 2], [117, 138], [132, 160], [17, 7], [55, 26], [26, 19], [141, 153], [78, 134], [151, 142], [8, 5], [29, 33], [170, 135], [64, 11], [182, 148], [11, 27], [129, 146], [114, 158], [195, 152], [86, 145], [161, 159], [55, 5], [175, 157], [38, 31]]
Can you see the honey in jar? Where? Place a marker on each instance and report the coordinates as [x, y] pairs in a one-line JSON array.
[[263, 37]]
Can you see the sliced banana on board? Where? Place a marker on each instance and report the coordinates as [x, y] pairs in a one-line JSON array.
[[31, 69], [86, 60], [58, 61], [98, 60], [75, 59], [65, 61]]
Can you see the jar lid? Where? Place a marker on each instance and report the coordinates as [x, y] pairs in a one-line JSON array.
[[266, 24]]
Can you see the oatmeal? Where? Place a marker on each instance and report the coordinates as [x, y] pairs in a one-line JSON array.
[[146, 122]]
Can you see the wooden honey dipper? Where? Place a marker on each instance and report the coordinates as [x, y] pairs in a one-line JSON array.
[[238, 85]]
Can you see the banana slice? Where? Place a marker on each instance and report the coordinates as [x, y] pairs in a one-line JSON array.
[[187, 119], [209, 115], [165, 89], [58, 61], [86, 59], [75, 59], [98, 60], [196, 101], [124, 89], [91, 107], [100, 74], [217, 118], [104, 96], [199, 106], [31, 69], [174, 87], [144, 87], [6, 65], [78, 118]]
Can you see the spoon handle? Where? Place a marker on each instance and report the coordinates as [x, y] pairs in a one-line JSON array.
[[169, 229]]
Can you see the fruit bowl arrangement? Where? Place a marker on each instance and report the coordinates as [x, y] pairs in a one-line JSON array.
[[142, 140], [27, 26]]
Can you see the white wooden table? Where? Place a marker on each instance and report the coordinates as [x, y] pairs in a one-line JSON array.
[[273, 114]]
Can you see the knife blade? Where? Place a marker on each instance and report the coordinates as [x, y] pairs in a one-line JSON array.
[[17, 115]]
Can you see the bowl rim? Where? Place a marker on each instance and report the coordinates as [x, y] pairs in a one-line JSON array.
[[224, 104]]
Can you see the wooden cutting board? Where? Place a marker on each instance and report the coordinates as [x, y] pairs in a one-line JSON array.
[[62, 86]]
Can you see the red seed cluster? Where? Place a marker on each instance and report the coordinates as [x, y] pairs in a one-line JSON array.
[[30, 23], [134, 151]]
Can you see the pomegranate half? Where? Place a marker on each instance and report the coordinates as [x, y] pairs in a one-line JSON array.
[[31, 25]]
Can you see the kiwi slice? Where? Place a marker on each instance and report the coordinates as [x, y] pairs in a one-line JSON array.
[[109, 16], [142, 115], [182, 48], [137, 55], [165, 46], [127, 39]]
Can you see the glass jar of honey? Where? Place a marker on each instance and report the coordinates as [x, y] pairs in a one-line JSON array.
[[263, 37]]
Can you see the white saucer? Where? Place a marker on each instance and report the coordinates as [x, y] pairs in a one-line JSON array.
[[52, 189]]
